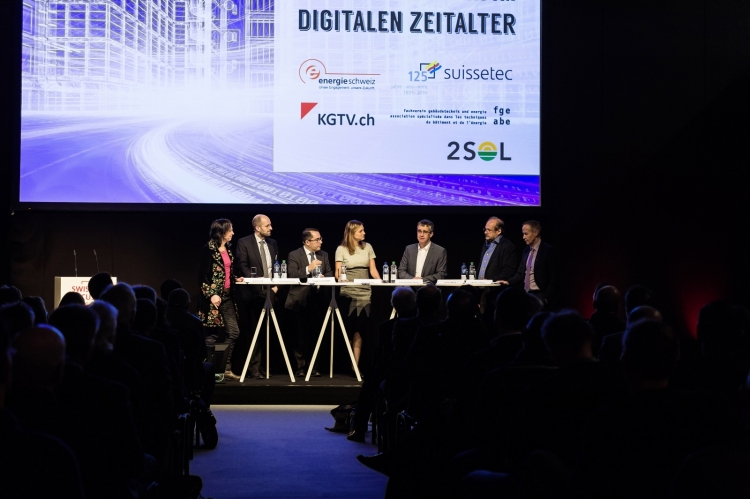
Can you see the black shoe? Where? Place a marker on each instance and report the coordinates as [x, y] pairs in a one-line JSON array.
[[300, 373], [256, 375], [263, 375], [356, 436], [315, 373], [382, 463]]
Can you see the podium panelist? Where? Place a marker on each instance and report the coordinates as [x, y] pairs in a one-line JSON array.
[[424, 260], [537, 270], [256, 254], [360, 264], [305, 301], [217, 309], [498, 262]]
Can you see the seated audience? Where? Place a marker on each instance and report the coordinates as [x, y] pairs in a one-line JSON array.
[[71, 298], [98, 283], [605, 319], [36, 303], [32, 464], [18, 317]]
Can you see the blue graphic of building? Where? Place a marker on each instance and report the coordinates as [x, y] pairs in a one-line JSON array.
[[99, 55]]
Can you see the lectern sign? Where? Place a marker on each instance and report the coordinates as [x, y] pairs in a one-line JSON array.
[[76, 284]]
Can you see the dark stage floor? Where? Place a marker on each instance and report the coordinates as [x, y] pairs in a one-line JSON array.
[[279, 390]]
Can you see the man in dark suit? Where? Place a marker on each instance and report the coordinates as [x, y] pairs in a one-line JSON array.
[[305, 301], [424, 260], [498, 261], [537, 271], [257, 250]]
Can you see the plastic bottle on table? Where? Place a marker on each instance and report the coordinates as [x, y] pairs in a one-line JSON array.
[[394, 272], [464, 272], [472, 271], [283, 269], [386, 273], [343, 271], [276, 270]]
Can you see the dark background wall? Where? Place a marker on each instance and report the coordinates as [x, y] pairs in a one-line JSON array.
[[644, 138]]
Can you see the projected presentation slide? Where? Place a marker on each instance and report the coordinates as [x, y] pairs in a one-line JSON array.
[[379, 102]]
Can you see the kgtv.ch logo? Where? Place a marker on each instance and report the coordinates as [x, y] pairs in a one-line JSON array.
[[337, 119], [487, 151]]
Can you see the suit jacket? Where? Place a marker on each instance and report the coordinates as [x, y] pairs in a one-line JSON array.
[[297, 262], [545, 272], [435, 265], [503, 262], [248, 255]]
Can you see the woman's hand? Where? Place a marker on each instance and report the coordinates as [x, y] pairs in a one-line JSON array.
[[216, 300], [239, 279]]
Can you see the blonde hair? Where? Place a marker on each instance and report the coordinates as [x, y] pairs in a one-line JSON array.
[[348, 241]]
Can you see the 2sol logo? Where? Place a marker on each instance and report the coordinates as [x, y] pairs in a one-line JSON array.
[[487, 151]]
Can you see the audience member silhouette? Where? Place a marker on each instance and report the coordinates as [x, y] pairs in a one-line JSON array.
[[71, 298], [605, 319], [534, 352], [513, 309], [199, 375], [611, 348], [148, 357], [110, 450], [18, 317], [36, 303], [168, 286], [98, 283], [403, 300], [32, 464], [9, 294]]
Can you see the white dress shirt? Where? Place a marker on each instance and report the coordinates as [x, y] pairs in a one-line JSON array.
[[421, 257]]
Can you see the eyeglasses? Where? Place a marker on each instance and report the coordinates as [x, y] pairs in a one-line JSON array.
[[489, 230], [424, 232], [317, 240]]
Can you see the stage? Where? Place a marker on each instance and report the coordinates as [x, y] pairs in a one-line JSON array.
[[279, 390]]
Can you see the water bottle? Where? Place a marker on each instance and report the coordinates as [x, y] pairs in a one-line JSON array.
[[472, 271], [343, 271], [276, 269], [394, 272], [464, 272], [283, 269], [386, 272]]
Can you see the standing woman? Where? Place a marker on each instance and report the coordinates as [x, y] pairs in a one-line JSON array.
[[360, 264], [217, 310]]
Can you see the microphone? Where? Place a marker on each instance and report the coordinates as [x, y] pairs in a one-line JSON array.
[[97, 262], [75, 262]]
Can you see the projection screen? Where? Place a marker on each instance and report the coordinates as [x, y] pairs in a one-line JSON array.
[[336, 102]]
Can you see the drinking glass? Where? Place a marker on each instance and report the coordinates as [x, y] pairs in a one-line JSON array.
[[316, 271]]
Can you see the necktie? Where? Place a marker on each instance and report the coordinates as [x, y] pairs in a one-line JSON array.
[[527, 281], [263, 258]]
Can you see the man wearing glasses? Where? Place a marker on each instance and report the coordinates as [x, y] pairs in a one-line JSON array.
[[306, 302], [424, 260], [498, 262]]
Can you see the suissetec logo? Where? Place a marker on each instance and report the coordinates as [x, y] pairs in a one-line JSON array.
[[429, 71]]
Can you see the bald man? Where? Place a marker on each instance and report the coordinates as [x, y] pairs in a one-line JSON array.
[[257, 251]]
